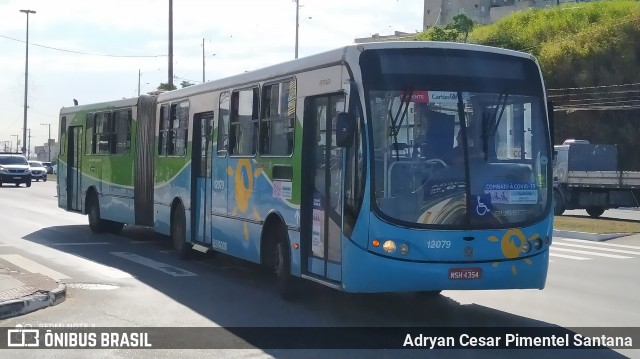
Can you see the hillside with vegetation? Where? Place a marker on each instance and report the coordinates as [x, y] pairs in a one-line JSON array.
[[590, 56]]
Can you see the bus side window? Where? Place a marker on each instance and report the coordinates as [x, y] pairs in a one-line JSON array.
[[243, 131], [223, 125], [277, 120]]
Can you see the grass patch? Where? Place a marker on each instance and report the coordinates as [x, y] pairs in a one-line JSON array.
[[595, 225]]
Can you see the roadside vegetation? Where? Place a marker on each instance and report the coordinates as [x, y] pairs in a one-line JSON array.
[[595, 225]]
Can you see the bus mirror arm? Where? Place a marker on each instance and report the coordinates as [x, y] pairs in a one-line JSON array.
[[344, 130]]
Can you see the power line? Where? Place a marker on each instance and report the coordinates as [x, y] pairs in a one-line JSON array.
[[83, 53]]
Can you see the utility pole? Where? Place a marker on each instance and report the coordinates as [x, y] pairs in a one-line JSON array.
[[139, 74], [49, 138], [170, 82], [29, 145], [203, 60], [297, 24], [26, 82]]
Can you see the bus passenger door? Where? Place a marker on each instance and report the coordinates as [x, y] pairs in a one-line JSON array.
[[321, 205], [201, 177], [74, 169]]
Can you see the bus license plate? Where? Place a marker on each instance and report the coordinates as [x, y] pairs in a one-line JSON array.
[[465, 273]]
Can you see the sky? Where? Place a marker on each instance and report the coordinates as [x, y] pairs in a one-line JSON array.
[[96, 51]]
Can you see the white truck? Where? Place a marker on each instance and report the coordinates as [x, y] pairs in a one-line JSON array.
[[587, 176]]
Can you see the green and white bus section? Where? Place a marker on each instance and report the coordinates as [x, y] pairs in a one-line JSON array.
[[381, 167]]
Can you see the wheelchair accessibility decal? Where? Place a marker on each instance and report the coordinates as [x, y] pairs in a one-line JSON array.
[[481, 207]]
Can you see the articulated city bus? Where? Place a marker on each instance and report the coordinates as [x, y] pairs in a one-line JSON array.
[[383, 167]]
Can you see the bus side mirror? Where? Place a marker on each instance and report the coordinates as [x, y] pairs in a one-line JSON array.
[[344, 129]]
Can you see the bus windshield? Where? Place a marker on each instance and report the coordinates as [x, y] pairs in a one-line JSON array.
[[458, 150]]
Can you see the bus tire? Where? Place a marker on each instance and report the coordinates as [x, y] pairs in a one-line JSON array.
[[558, 202], [284, 280], [595, 212], [96, 224], [179, 233]]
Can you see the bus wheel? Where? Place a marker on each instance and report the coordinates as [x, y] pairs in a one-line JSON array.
[[284, 280], [178, 233], [595, 212], [96, 224]]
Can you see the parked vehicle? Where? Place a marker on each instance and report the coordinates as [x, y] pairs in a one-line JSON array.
[[38, 171], [588, 176], [14, 168]]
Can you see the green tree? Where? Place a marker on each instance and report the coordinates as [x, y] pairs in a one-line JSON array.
[[164, 86], [186, 84], [456, 31], [462, 24], [439, 34]]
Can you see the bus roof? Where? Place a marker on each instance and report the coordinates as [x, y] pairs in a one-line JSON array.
[[128, 102], [333, 56]]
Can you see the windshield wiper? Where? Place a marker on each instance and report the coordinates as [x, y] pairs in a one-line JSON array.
[[488, 129], [395, 129]]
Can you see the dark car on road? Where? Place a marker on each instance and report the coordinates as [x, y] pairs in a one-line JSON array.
[[14, 168], [38, 171]]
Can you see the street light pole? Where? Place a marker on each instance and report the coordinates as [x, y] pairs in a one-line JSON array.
[[203, 60], [48, 139], [26, 82], [297, 24], [170, 79]]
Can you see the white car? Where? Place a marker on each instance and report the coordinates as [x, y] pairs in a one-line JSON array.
[[38, 171]]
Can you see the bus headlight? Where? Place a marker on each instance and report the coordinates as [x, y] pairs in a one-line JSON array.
[[526, 247], [537, 243], [389, 246], [404, 249]]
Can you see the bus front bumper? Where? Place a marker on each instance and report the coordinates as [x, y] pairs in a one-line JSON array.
[[366, 272]]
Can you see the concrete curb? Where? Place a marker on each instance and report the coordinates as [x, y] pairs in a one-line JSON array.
[[596, 237], [31, 303]]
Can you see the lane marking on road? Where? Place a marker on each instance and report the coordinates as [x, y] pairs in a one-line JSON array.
[[568, 257], [33, 267], [561, 243], [80, 243], [594, 243], [160, 266], [591, 253]]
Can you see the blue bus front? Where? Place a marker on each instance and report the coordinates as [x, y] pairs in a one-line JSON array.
[[458, 155]]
